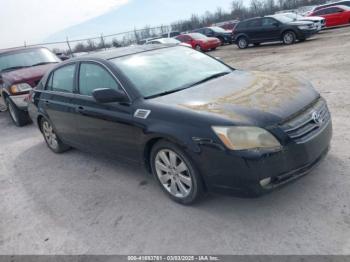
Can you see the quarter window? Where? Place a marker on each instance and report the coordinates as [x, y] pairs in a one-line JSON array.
[[93, 76], [62, 79]]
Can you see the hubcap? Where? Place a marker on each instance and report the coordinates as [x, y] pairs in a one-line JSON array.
[[173, 173], [12, 112], [49, 135], [288, 38]]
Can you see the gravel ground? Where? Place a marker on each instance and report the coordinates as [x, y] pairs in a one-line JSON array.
[[78, 203]]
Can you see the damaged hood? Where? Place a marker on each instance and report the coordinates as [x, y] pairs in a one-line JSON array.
[[246, 97]]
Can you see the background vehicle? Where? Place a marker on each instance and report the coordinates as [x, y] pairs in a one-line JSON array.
[[171, 41], [268, 29], [181, 113], [227, 25], [224, 36], [320, 22], [171, 34], [20, 71], [334, 15], [199, 42], [346, 3]]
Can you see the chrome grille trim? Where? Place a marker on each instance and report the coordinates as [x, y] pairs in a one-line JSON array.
[[304, 126]]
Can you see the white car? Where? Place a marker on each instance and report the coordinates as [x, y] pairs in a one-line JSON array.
[[166, 41], [319, 22]]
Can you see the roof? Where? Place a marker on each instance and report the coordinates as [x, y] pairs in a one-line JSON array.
[[123, 51], [13, 50]]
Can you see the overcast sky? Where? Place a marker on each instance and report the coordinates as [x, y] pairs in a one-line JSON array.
[[35, 20]]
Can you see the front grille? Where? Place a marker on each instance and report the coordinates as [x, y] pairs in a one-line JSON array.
[[308, 124]]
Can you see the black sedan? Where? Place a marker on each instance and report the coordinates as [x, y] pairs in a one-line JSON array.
[[270, 29], [196, 123]]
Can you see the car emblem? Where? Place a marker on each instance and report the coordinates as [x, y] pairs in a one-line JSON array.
[[316, 117]]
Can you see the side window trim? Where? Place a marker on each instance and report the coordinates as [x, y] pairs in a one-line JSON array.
[[105, 68]]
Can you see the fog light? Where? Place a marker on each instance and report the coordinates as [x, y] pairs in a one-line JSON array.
[[265, 182]]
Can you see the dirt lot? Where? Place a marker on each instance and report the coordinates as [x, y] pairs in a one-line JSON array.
[[78, 203]]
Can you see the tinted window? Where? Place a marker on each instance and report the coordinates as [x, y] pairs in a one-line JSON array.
[[268, 22], [93, 76], [62, 79], [320, 12], [254, 23], [333, 10]]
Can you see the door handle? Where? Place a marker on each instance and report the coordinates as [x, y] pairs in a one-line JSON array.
[[80, 109], [46, 102]]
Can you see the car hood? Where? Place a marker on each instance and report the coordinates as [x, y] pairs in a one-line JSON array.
[[246, 97], [300, 22], [312, 18], [29, 75]]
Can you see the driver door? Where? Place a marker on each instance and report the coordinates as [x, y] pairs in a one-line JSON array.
[[104, 128]]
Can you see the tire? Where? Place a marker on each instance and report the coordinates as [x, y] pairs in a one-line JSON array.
[[198, 48], [289, 38], [222, 41], [176, 173], [242, 42], [51, 139], [19, 117]]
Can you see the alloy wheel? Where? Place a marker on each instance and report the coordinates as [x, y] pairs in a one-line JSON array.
[[288, 38], [173, 173], [50, 135], [242, 43]]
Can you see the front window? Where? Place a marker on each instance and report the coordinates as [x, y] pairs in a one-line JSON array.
[[198, 36], [169, 70], [26, 58]]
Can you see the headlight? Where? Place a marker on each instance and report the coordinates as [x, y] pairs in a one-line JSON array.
[[243, 138], [304, 27], [20, 88]]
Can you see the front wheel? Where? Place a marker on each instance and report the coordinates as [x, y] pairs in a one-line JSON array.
[[198, 48], [176, 173], [51, 139], [289, 38], [19, 117]]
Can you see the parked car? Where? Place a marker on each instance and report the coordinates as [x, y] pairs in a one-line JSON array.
[[346, 3], [200, 42], [223, 35], [268, 29], [171, 34], [227, 25], [167, 41], [320, 22], [20, 71], [334, 15], [196, 123]]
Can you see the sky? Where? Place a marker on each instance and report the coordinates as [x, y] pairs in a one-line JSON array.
[[35, 21]]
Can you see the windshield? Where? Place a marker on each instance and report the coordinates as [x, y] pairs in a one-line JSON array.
[[198, 36], [284, 19], [218, 29], [168, 70], [26, 58]]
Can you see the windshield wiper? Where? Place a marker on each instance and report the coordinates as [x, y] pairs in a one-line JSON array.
[[209, 78], [188, 86], [13, 68], [44, 63]]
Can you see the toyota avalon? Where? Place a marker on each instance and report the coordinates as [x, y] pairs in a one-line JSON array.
[[196, 123]]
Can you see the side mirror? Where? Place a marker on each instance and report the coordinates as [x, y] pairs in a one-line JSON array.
[[108, 95]]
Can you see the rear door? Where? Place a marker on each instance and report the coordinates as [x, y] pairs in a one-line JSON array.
[[57, 101], [334, 16], [254, 30], [105, 128]]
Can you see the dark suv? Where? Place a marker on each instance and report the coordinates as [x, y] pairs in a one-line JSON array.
[[224, 36], [269, 29], [20, 71]]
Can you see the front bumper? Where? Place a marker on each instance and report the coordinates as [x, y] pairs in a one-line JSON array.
[[20, 101], [304, 34], [240, 174]]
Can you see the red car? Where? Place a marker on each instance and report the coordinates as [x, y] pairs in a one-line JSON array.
[[334, 15], [200, 42], [20, 71]]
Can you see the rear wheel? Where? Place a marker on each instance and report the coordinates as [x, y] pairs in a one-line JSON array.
[[176, 173], [51, 139], [289, 38], [19, 117], [242, 42]]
